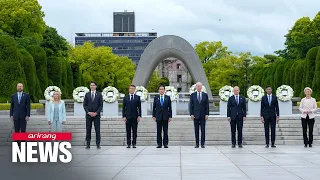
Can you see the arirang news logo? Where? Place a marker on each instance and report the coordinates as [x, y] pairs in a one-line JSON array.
[[41, 147]]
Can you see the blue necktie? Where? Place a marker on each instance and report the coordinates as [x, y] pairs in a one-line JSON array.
[[161, 100], [269, 100], [19, 97]]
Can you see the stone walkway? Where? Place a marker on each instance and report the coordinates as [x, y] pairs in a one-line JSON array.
[[175, 163]]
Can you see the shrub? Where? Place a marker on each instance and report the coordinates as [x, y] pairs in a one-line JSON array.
[[6, 106], [54, 70], [40, 60], [316, 78], [30, 72]]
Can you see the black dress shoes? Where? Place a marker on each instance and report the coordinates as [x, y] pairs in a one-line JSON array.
[[267, 146], [233, 146], [240, 146], [134, 146], [159, 146], [166, 146], [196, 146], [273, 146], [310, 145], [98, 146], [128, 146], [202, 146], [305, 145]]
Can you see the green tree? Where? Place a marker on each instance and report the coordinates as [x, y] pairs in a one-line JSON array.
[[30, 72], [316, 78], [21, 18], [278, 76], [54, 44], [299, 71], [55, 70], [303, 36], [211, 51], [40, 59], [310, 65], [101, 65], [11, 72]]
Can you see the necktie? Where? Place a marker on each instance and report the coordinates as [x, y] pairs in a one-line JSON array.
[[19, 97], [199, 97], [161, 100], [92, 96], [237, 100], [131, 98], [269, 100]]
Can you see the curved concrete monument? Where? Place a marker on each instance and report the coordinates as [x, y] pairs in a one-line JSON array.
[[169, 46]]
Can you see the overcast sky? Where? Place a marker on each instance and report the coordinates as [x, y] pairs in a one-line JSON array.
[[257, 26]]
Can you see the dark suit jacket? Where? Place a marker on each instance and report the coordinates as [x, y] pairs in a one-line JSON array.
[[20, 110], [131, 109], [96, 105], [162, 112], [234, 110], [199, 110], [269, 111]]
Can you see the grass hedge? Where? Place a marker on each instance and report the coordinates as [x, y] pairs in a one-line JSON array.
[[6, 106]]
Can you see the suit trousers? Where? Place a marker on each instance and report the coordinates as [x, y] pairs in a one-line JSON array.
[[270, 121], [96, 122], [236, 125], [20, 124], [162, 125], [202, 124], [132, 124], [307, 122]]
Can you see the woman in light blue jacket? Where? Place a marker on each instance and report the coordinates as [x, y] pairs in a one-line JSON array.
[[56, 113]]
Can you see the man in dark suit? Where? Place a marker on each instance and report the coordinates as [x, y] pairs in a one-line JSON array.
[[236, 113], [162, 114], [131, 114], [93, 104], [199, 112], [20, 109], [269, 115]]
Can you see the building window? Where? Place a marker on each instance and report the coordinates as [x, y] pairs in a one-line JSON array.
[[179, 78], [178, 66], [179, 89]]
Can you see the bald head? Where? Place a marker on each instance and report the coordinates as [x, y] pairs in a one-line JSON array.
[[19, 87], [236, 90], [199, 86]]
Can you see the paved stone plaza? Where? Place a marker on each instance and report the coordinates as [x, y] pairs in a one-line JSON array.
[[175, 163]]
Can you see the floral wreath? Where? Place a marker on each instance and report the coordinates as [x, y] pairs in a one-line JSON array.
[[284, 93], [110, 94], [225, 92], [48, 93], [172, 92], [255, 93], [194, 89], [79, 94], [142, 92]]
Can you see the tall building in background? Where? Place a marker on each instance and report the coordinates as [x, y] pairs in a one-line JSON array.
[[123, 22], [124, 41]]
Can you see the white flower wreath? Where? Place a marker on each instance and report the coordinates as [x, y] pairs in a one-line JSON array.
[[225, 92], [194, 89], [48, 93], [142, 92], [255, 93], [110, 94], [172, 92], [284, 93], [79, 94]]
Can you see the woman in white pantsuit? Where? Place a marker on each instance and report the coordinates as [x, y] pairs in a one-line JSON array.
[[56, 113]]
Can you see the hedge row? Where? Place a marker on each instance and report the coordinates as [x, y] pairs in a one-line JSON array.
[[6, 106]]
